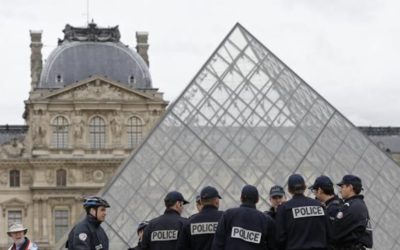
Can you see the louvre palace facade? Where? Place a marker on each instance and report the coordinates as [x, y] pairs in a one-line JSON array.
[[89, 106]]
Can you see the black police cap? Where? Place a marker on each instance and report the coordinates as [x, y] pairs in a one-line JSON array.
[[322, 182], [209, 192], [175, 196], [350, 179], [296, 181], [250, 193], [276, 191]]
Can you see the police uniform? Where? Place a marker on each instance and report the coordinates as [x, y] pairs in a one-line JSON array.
[[162, 232], [334, 203], [245, 228], [333, 206], [88, 235], [301, 222], [198, 234], [274, 191], [352, 228], [271, 212], [142, 225]]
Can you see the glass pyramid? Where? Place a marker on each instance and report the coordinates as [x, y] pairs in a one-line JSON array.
[[247, 118]]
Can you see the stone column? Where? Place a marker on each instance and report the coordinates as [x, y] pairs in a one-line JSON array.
[[46, 214], [36, 228], [142, 46], [36, 57]]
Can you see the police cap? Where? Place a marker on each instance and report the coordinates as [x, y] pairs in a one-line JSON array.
[[296, 182], [174, 196], [350, 179], [322, 182], [250, 193], [276, 191], [209, 192]]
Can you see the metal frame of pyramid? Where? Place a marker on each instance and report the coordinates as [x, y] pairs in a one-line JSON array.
[[247, 118]]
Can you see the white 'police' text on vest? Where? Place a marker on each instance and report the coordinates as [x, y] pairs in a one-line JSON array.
[[164, 235], [246, 235], [307, 211], [203, 228]]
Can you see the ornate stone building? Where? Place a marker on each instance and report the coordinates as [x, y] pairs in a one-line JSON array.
[[89, 106]]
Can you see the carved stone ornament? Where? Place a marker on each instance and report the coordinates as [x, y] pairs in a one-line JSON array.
[[14, 203], [88, 174], [13, 148], [98, 91], [79, 127], [39, 130], [91, 33], [50, 176], [27, 177], [71, 177], [98, 176], [3, 177]]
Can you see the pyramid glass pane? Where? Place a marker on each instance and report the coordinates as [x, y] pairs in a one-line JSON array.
[[247, 118]]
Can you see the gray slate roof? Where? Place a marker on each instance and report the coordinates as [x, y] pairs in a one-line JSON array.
[[9, 132], [75, 61]]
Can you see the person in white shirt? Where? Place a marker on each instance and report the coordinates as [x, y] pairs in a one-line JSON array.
[[20, 242]]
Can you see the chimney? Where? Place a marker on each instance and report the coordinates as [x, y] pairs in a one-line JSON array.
[[142, 46], [36, 57]]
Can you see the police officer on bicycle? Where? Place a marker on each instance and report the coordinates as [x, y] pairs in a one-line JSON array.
[[88, 234]]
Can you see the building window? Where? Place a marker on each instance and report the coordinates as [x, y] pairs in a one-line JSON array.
[[131, 79], [14, 178], [14, 216], [97, 129], [60, 132], [134, 131], [59, 79], [61, 218], [61, 178]]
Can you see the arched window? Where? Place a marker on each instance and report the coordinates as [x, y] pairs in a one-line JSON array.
[[134, 131], [60, 132], [61, 175], [14, 178], [97, 130]]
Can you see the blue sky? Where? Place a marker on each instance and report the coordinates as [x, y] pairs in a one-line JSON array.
[[347, 50]]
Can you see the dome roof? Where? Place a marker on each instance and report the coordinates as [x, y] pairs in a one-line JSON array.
[[81, 56]]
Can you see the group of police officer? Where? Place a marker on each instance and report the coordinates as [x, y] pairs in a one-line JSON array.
[[300, 223]]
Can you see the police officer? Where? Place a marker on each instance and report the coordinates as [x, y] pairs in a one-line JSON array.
[[352, 228], [199, 233], [162, 232], [324, 192], [276, 196], [88, 234], [140, 229], [245, 227], [301, 222]]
